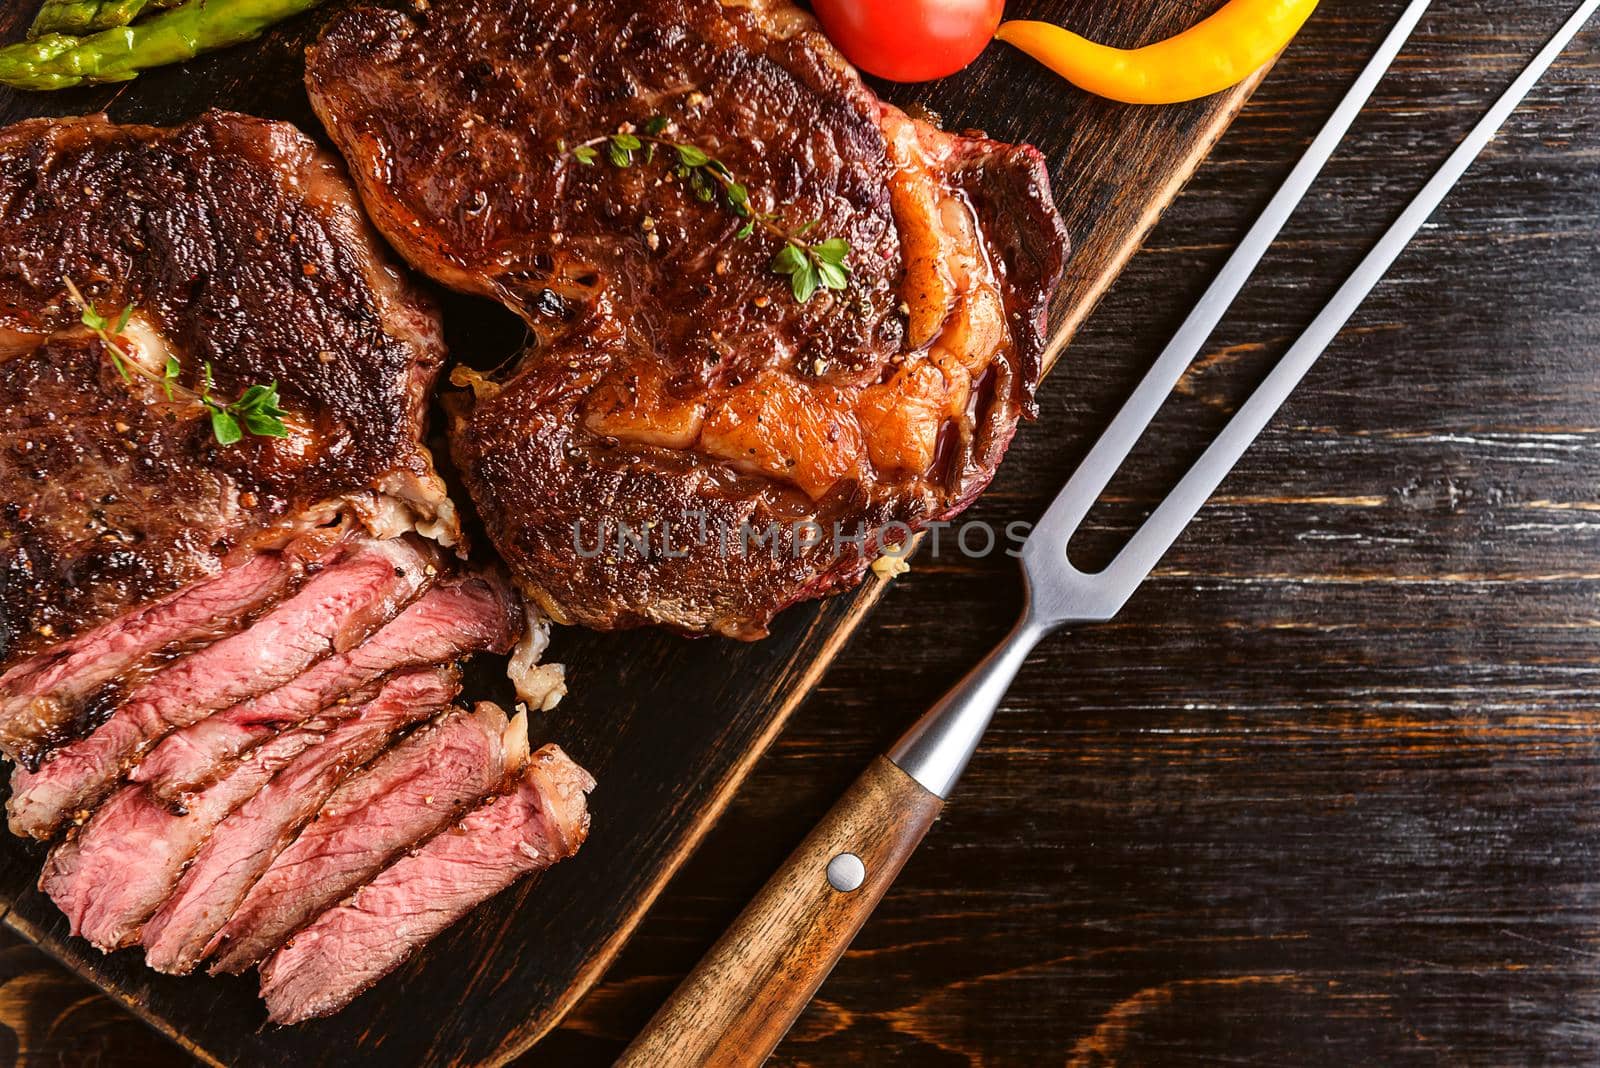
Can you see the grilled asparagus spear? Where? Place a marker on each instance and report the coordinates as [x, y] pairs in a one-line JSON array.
[[90, 16], [60, 61]]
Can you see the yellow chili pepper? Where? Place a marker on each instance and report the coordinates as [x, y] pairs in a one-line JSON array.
[[1212, 56]]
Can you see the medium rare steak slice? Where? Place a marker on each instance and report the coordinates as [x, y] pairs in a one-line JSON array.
[[333, 612], [243, 845], [679, 389], [43, 698], [542, 821], [238, 246], [410, 792], [455, 619], [116, 870]]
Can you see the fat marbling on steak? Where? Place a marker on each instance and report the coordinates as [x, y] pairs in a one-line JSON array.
[[455, 619], [240, 245], [46, 697], [403, 797], [675, 385], [111, 874]]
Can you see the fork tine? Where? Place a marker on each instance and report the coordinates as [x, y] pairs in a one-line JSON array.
[[1151, 541], [1061, 521]]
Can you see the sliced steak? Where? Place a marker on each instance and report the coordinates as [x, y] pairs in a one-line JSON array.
[[243, 845], [240, 246], [676, 390], [410, 792], [543, 820], [121, 865], [333, 612], [455, 619], [44, 697]]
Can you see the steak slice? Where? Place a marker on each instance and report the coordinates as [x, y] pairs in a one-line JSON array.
[[676, 389], [543, 820], [119, 867], [239, 246], [42, 698], [455, 619], [334, 611], [243, 845], [406, 795]]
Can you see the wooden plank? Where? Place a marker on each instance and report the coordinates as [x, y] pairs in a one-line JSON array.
[[670, 727]]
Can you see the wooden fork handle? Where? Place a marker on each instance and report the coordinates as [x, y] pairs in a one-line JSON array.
[[741, 999]]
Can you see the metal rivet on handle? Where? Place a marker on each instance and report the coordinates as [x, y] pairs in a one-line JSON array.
[[846, 872]]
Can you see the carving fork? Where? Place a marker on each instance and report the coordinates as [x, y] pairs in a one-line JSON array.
[[741, 999]]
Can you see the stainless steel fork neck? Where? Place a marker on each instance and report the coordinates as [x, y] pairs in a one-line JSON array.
[[936, 749]]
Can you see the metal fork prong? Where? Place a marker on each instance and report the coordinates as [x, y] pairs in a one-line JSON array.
[[937, 747], [1152, 540], [1061, 521]]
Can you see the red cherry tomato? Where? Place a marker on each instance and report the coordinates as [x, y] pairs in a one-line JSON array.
[[910, 40]]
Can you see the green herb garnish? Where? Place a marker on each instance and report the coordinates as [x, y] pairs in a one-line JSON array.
[[169, 375], [809, 266], [255, 411], [105, 330]]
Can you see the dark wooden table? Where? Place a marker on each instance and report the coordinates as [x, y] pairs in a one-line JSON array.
[[1329, 790]]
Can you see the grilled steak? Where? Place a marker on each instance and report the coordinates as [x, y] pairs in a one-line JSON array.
[[244, 616], [455, 619], [239, 247], [676, 389], [243, 845], [543, 820], [334, 611], [407, 794]]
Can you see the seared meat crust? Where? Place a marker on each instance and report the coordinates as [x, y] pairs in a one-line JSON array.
[[242, 246], [674, 385]]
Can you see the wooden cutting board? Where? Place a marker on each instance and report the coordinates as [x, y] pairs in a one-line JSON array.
[[670, 727]]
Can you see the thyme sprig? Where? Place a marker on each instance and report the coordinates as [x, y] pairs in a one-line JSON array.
[[256, 410], [106, 330], [808, 265]]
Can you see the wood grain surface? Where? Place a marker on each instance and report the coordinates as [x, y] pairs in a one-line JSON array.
[[1326, 792]]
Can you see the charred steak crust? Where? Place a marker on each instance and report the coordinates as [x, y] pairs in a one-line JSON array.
[[1009, 188], [241, 245], [674, 384]]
